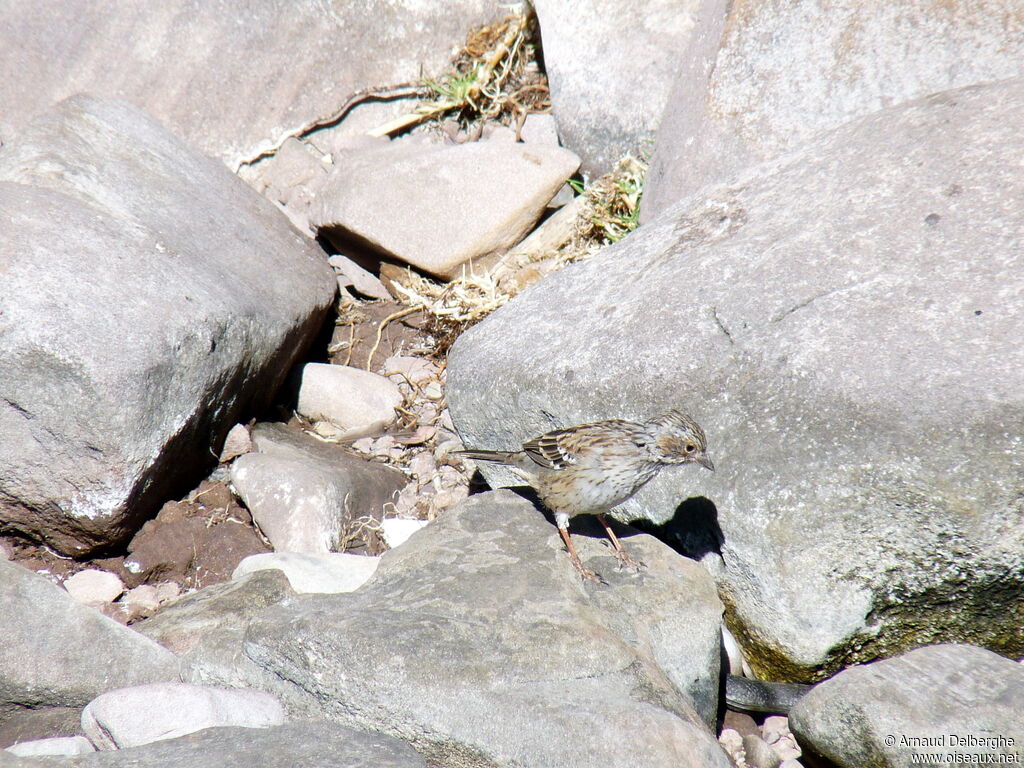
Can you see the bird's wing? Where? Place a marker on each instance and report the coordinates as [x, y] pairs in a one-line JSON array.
[[562, 447], [551, 450]]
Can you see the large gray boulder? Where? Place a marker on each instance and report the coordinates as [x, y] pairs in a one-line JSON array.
[[845, 323], [149, 300], [59, 653], [478, 642], [228, 76], [611, 66], [761, 78], [940, 700]]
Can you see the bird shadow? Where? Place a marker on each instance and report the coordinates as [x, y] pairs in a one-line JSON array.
[[693, 529]]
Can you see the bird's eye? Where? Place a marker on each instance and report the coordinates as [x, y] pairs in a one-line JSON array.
[[640, 443], [690, 448]]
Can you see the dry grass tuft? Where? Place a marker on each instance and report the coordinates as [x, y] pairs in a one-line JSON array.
[[495, 77]]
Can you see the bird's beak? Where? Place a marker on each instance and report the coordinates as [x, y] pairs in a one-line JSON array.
[[706, 462]]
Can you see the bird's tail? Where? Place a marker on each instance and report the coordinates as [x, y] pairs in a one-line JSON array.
[[502, 457]]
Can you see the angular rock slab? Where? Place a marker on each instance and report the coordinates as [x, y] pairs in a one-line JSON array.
[[303, 743], [437, 207], [737, 102], [845, 323], [478, 642], [130, 717], [203, 70], [57, 652], [310, 496], [601, 52], [942, 699], [149, 298]]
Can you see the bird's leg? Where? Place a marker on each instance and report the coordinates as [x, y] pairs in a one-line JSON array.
[[624, 558], [585, 572]]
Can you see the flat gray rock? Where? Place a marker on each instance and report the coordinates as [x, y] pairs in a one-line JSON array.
[[150, 299], [437, 207], [761, 78], [599, 53], [302, 743], [845, 323], [940, 700], [478, 642], [205, 70], [59, 653]]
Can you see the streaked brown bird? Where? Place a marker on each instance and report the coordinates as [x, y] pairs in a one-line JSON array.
[[591, 468]]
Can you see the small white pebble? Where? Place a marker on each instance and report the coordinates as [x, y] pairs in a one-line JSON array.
[[363, 445], [397, 530], [445, 421], [94, 587], [422, 465], [732, 743], [383, 445], [167, 590]]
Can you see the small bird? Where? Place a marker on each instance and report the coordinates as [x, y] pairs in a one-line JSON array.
[[590, 468]]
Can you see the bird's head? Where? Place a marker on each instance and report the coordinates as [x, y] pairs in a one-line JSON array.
[[678, 439]]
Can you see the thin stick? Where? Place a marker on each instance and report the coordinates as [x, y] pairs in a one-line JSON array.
[[380, 330], [385, 93]]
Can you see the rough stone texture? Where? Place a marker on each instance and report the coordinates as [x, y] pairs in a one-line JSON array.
[[59, 746], [923, 702], [360, 402], [774, 74], [129, 717], [329, 572], [205, 629], [207, 295], [435, 206], [324, 745], [826, 319], [57, 652], [478, 642], [604, 52], [228, 76]]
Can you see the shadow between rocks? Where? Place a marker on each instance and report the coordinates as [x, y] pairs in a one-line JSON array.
[[693, 530]]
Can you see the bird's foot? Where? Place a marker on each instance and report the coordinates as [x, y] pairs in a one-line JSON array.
[[629, 563], [584, 572], [625, 561]]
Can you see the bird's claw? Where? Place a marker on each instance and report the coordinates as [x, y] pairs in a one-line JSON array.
[[627, 562]]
